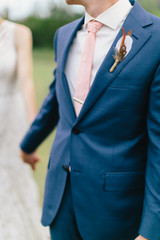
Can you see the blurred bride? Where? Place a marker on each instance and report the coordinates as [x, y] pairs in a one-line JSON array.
[[19, 209]]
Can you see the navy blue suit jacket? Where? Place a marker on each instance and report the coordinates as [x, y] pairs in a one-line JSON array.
[[114, 144]]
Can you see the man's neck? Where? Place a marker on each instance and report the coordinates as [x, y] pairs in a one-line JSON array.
[[95, 9]]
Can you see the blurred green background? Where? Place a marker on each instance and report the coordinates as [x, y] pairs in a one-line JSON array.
[[43, 63], [43, 30]]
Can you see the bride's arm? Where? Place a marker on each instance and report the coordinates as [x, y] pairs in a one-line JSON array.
[[23, 42]]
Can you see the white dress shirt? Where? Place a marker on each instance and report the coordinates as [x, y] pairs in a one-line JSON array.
[[112, 20]]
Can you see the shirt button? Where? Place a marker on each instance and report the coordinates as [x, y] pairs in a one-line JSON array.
[[75, 131]]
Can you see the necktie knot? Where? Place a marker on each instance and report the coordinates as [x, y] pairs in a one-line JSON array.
[[94, 26]]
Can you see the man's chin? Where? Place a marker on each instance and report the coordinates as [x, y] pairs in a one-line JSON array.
[[69, 2], [73, 2]]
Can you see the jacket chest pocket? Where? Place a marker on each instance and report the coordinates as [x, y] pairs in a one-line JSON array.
[[124, 181]]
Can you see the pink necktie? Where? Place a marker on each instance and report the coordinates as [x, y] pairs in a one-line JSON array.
[[85, 68]]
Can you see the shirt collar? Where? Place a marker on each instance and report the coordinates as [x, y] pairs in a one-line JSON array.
[[113, 16]]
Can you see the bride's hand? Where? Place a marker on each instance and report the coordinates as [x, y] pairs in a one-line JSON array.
[[31, 158]]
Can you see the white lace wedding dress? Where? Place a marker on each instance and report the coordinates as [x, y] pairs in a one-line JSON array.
[[19, 209]]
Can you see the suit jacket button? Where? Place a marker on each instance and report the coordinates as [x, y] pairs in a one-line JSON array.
[[75, 131], [65, 168]]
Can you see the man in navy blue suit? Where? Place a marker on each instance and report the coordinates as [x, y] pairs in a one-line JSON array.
[[103, 179]]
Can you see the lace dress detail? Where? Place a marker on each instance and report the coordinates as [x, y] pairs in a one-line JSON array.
[[19, 204]]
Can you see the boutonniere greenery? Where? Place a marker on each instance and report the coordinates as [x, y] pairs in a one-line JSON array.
[[122, 48]]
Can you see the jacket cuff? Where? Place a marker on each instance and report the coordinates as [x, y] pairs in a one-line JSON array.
[[150, 225]]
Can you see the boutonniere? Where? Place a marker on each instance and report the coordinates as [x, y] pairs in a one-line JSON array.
[[122, 48]]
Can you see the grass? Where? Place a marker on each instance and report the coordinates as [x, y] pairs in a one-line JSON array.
[[43, 63]]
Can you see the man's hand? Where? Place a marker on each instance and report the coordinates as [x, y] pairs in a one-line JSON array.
[[141, 238], [31, 159]]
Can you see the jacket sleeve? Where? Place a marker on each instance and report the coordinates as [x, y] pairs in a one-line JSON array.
[[150, 222], [45, 120]]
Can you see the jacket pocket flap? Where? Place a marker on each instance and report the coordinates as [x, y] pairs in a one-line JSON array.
[[120, 181]]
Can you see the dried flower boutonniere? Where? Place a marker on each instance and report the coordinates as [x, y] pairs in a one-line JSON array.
[[122, 48]]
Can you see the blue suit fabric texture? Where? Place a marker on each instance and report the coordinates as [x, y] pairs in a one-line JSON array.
[[64, 226], [113, 146]]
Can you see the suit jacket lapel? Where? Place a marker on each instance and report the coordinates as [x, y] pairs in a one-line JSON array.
[[135, 21], [69, 34]]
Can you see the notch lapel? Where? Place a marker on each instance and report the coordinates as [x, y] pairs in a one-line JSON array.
[[135, 21]]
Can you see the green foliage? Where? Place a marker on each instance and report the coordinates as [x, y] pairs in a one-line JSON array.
[[151, 6], [43, 29]]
